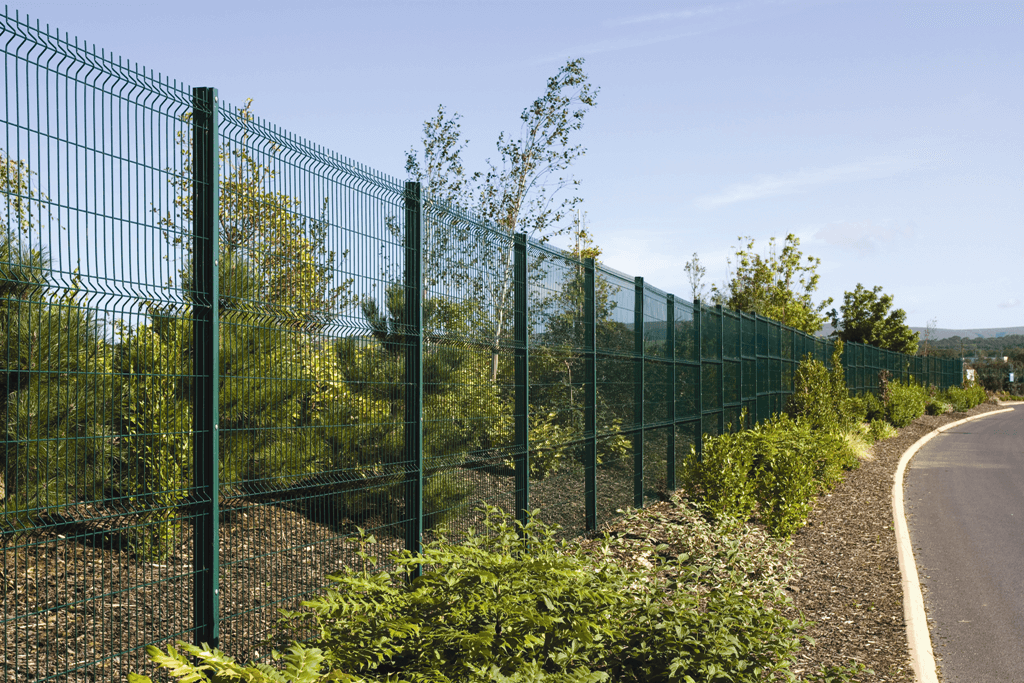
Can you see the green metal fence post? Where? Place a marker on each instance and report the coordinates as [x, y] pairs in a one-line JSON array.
[[590, 396], [522, 379], [721, 369], [206, 365], [699, 338], [413, 315], [670, 403], [638, 393]]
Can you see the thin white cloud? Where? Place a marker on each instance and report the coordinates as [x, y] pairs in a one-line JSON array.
[[672, 16], [629, 43], [613, 45], [1010, 303], [695, 13], [864, 237], [802, 180]]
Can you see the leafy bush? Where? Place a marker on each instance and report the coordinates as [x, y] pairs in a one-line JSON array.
[[820, 395], [905, 403], [936, 406], [777, 468], [874, 409], [514, 605], [965, 397], [880, 429], [720, 479]]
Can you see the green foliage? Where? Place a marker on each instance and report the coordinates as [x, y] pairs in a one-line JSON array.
[[513, 604], [936, 406], [516, 195], [965, 397], [879, 430], [776, 468], [695, 273], [57, 446], [820, 396], [994, 374], [778, 285], [905, 402], [210, 665], [293, 269], [720, 479], [874, 409], [866, 317]]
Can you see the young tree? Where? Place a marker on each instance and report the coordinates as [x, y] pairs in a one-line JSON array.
[[695, 274], [867, 317], [516, 194], [929, 335], [778, 285], [267, 228]]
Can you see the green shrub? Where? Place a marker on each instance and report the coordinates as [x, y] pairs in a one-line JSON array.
[[820, 396], [936, 406], [777, 468], [515, 605], [720, 479], [874, 409], [905, 403], [787, 465], [856, 410], [965, 397], [880, 429]]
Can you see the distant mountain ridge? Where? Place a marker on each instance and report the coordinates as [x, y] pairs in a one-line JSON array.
[[945, 333], [975, 333]]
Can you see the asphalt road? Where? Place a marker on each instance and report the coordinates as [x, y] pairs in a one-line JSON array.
[[964, 499]]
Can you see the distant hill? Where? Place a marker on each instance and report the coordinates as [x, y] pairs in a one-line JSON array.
[[944, 333], [976, 333]]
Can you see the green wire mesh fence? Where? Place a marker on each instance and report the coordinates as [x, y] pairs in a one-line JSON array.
[[227, 348]]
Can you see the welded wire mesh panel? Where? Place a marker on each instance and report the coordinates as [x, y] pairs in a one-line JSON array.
[[655, 482], [657, 366], [656, 390], [687, 388], [687, 365], [655, 323], [763, 337], [687, 436], [711, 378], [617, 382], [468, 368], [787, 343], [615, 476], [314, 336], [558, 339], [748, 334], [686, 341], [732, 341], [711, 334], [95, 476], [657, 375], [616, 356], [560, 494], [748, 389]]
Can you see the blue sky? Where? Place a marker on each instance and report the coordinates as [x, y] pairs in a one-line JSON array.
[[889, 136]]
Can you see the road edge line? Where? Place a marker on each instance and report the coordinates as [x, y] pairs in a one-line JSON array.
[[922, 658]]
